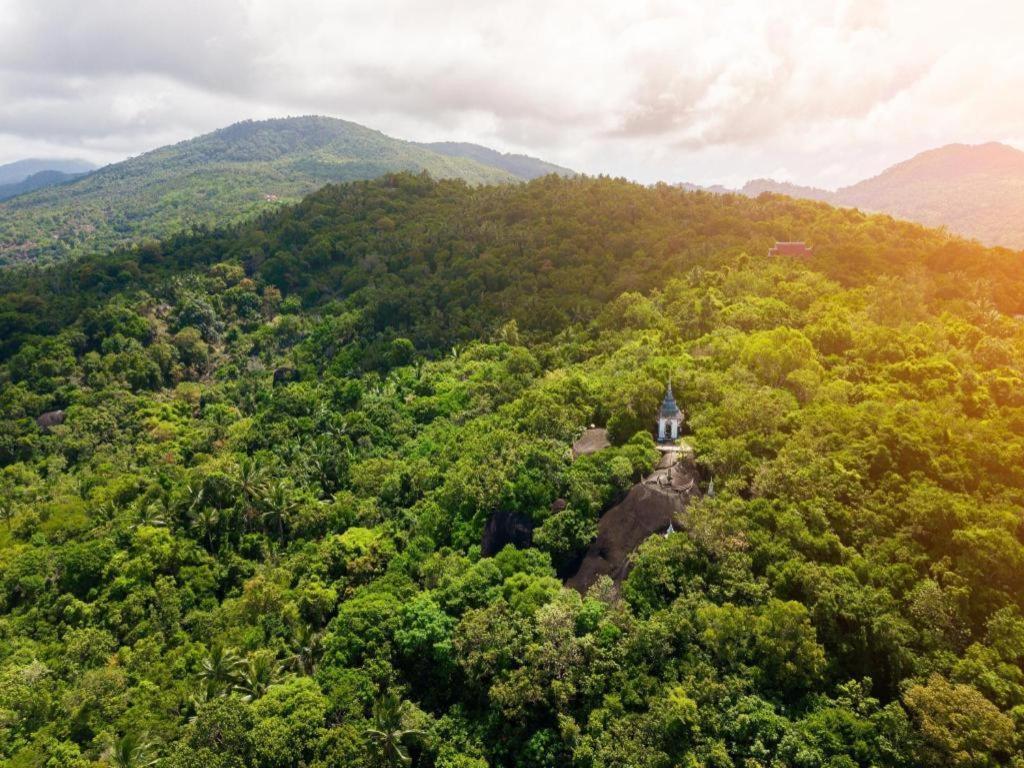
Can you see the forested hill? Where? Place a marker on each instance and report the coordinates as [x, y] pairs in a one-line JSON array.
[[218, 178], [250, 538], [973, 190], [36, 181], [977, 191], [523, 166]]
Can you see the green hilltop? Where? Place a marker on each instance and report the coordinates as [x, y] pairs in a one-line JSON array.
[[222, 177]]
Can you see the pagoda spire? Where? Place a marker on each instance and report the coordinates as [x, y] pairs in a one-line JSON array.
[[670, 416]]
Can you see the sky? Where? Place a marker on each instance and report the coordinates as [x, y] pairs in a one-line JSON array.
[[811, 91]]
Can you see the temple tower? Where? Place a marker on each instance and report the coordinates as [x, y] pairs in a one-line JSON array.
[[670, 417]]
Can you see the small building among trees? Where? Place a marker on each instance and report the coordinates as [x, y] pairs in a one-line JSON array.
[[794, 249]]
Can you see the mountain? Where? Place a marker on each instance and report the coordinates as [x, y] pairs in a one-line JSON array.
[[755, 187], [523, 166], [247, 477], [19, 170], [971, 190], [39, 180], [976, 191], [221, 177]]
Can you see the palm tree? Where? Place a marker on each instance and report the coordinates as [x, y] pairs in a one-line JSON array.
[[278, 507], [252, 484], [256, 674], [206, 520], [133, 750], [191, 500], [219, 670], [307, 648], [156, 513], [388, 732]]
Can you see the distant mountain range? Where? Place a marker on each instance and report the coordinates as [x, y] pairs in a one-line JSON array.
[[36, 181], [227, 176], [20, 170], [24, 176], [972, 190]]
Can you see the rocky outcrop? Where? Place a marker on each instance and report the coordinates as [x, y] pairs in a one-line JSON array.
[[591, 441], [285, 375], [504, 528], [648, 509], [50, 419]]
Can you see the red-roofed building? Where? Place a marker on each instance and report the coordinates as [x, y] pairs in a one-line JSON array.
[[797, 250]]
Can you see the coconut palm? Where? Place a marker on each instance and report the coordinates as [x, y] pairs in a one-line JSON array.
[[251, 483], [219, 670], [307, 648], [278, 507], [205, 521], [192, 499], [388, 731], [256, 674], [156, 513], [133, 750]]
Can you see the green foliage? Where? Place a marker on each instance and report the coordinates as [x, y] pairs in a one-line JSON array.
[[255, 538]]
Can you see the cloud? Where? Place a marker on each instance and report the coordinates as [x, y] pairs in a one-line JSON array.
[[648, 89]]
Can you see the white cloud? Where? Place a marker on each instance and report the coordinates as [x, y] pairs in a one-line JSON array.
[[651, 90]]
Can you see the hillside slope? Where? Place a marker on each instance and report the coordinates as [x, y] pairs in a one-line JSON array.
[[219, 178], [39, 180], [974, 191], [977, 191], [755, 187], [252, 536], [523, 166]]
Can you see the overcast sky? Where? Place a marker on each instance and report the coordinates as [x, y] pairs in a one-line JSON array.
[[710, 91]]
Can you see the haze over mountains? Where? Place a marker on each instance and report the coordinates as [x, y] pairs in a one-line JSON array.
[[19, 170], [972, 190], [228, 176], [24, 176]]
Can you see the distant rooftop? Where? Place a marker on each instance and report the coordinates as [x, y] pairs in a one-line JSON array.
[[790, 248]]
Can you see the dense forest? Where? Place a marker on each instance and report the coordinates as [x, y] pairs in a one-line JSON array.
[[229, 175], [246, 473]]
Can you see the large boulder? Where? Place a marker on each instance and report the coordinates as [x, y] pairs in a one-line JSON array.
[[504, 528], [285, 375], [50, 419], [591, 441], [648, 509]]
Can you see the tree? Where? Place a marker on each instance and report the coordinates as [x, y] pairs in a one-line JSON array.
[[206, 521], [132, 750], [219, 669], [307, 648], [958, 726], [278, 506], [256, 674], [388, 732], [251, 483]]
